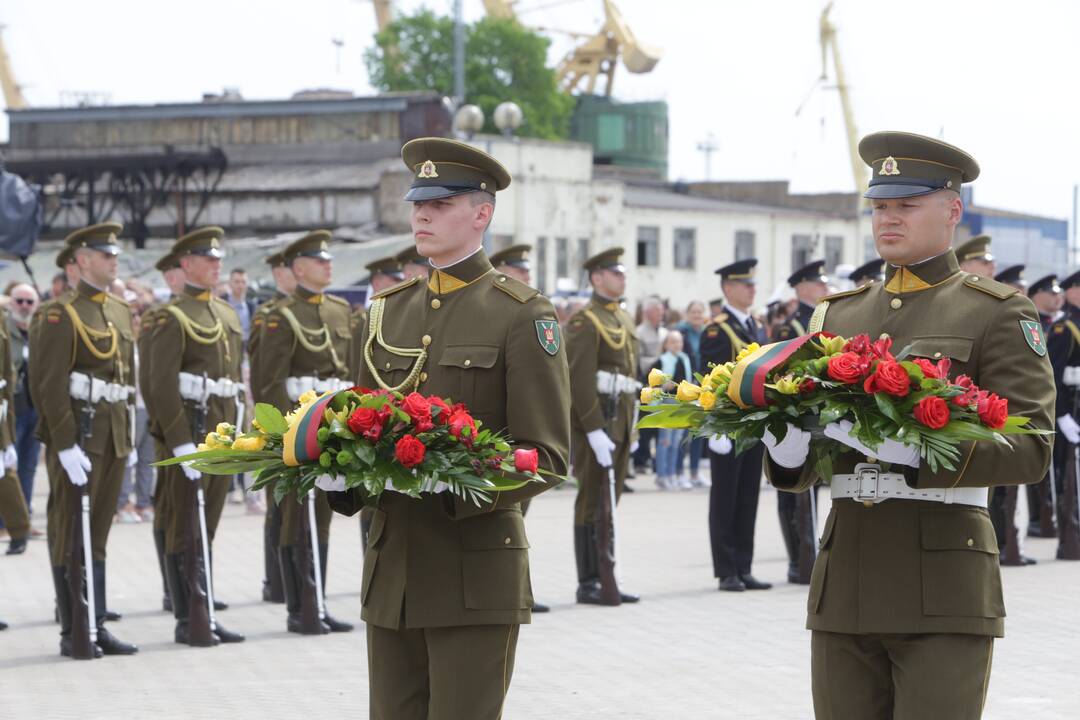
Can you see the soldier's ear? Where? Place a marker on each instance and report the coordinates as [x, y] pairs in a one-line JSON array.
[[482, 214]]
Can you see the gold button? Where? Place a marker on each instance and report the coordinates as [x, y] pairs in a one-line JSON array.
[[435, 303], [970, 542], [387, 364], [423, 377], [974, 278], [896, 303], [468, 363], [867, 503], [502, 278], [506, 541], [937, 354], [426, 340]]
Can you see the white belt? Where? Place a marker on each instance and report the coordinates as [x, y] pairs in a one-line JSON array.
[[297, 386], [1071, 376], [610, 383], [79, 387], [869, 485], [197, 388]]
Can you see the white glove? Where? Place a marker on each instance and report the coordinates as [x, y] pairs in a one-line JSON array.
[[133, 458], [1068, 426], [330, 483], [888, 451], [720, 444], [634, 446], [790, 452], [11, 458], [186, 449], [602, 446], [75, 464]]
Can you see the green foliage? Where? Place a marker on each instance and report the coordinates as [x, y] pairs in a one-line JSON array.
[[503, 61]]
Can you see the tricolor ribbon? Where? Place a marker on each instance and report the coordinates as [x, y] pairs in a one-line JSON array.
[[747, 386], [301, 441]]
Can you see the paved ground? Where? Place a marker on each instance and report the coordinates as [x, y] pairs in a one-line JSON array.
[[686, 652]]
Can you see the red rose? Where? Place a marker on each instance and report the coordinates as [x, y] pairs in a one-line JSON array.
[[993, 410], [933, 412], [846, 367], [808, 386], [525, 460], [928, 368], [444, 410], [417, 407], [860, 345], [362, 420], [889, 377], [409, 451], [462, 425]]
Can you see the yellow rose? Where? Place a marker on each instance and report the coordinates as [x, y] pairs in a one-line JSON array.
[[748, 350], [224, 428], [721, 373], [707, 400], [250, 443], [215, 442], [832, 345], [308, 398], [656, 378], [203, 447], [687, 392], [650, 395], [787, 385]]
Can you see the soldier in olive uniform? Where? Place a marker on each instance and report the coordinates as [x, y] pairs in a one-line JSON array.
[[1046, 294], [413, 264], [514, 261], [305, 338], [83, 386], [974, 257], [906, 595], [284, 284], [872, 271], [798, 512], [446, 583], [602, 352], [1064, 350], [198, 341], [736, 478], [13, 507]]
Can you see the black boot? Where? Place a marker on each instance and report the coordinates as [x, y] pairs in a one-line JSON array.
[[109, 643], [103, 608], [292, 580], [64, 612], [785, 508], [588, 575], [272, 590], [159, 546], [17, 546], [227, 636], [334, 624], [178, 591]]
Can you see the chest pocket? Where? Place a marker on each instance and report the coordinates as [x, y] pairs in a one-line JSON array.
[[393, 369], [956, 349], [474, 366]]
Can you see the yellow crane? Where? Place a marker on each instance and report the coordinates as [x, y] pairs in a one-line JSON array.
[[13, 96], [829, 43]]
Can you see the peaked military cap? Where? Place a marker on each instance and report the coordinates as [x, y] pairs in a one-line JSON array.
[[65, 257], [515, 255], [977, 248], [411, 256], [1048, 283], [610, 259], [1012, 275], [742, 270], [812, 272], [874, 269], [444, 168], [314, 245], [167, 262], [276, 260], [205, 241], [905, 165], [100, 237], [386, 266], [1071, 281]]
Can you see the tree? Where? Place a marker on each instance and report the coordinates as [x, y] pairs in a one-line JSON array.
[[503, 61]]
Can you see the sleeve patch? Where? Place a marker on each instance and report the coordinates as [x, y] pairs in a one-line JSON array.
[[1033, 335]]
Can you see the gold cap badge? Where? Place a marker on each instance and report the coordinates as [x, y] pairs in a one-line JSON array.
[[889, 167], [427, 170]]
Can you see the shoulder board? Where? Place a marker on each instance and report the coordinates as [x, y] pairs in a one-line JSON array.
[[118, 299], [991, 287], [219, 301], [336, 300], [845, 293], [396, 288], [722, 317], [515, 288]]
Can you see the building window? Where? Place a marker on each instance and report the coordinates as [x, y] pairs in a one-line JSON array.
[[685, 240], [802, 249], [562, 259], [648, 246], [834, 252], [744, 245], [540, 276], [582, 251]]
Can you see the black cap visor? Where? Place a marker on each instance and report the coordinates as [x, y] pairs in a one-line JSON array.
[[434, 192], [892, 191]]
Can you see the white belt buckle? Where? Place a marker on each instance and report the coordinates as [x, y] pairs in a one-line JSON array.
[[869, 477]]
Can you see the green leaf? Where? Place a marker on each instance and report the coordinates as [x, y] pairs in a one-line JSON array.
[[886, 407], [270, 419]]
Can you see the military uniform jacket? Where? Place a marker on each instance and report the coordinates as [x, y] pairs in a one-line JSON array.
[[797, 324], [440, 561], [147, 322], [601, 336], [87, 331], [906, 566], [258, 320], [7, 392], [199, 334], [1064, 350], [723, 339]]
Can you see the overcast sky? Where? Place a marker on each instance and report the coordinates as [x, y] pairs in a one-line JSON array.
[[997, 78]]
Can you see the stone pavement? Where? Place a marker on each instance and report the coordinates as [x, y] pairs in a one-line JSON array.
[[686, 652]]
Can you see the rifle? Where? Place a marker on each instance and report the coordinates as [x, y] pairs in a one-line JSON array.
[[312, 603], [606, 535], [80, 560], [201, 623], [1069, 522]]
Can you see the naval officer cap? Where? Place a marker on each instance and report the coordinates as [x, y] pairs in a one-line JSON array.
[[411, 256], [873, 270], [1047, 283], [977, 248], [905, 165], [167, 262], [741, 270], [515, 256], [204, 241], [811, 272], [100, 237], [1012, 275], [610, 259], [1071, 281], [389, 266], [313, 245], [443, 168]]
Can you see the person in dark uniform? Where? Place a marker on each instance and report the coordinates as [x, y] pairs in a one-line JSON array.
[[872, 271], [1063, 347], [1014, 276], [798, 511], [1046, 295], [736, 478]]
